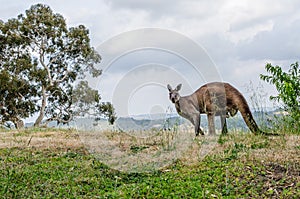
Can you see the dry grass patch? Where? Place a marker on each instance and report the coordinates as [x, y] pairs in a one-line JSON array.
[[40, 139]]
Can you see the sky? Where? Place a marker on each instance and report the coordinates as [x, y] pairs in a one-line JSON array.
[[146, 45]]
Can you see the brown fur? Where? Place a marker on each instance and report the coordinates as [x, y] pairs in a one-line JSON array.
[[213, 99]]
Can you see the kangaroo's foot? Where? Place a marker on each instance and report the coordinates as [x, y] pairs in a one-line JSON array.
[[199, 132], [224, 131]]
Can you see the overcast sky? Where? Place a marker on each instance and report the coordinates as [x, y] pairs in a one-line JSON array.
[[234, 40]]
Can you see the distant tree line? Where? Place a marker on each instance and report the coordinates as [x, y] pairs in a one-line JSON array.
[[43, 64]]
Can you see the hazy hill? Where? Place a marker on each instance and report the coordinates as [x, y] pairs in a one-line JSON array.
[[160, 121]]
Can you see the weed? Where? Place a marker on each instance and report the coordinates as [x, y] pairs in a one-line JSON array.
[[136, 149], [169, 132], [260, 145], [222, 139]]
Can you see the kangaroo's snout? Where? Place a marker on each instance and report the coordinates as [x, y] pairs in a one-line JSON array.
[[173, 100]]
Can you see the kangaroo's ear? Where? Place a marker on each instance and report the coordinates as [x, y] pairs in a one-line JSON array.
[[169, 87], [178, 87]]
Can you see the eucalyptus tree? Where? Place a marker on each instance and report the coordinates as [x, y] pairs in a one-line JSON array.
[[62, 54], [51, 58]]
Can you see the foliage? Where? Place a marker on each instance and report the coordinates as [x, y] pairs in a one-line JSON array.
[[106, 109], [288, 87], [16, 93], [86, 101], [46, 57]]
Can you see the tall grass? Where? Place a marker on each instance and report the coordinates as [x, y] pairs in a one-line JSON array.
[[277, 120]]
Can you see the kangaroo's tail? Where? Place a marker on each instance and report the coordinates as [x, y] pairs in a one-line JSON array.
[[248, 117]]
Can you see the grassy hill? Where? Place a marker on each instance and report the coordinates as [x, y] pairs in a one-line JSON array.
[[54, 163]]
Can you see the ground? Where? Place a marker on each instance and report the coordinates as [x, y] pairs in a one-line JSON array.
[[56, 163]]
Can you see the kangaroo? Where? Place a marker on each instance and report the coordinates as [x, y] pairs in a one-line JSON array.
[[214, 99]]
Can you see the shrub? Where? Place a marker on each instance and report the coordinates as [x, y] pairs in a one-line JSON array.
[[288, 87]]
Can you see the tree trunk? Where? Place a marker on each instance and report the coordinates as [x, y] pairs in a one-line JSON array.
[[19, 124], [42, 110]]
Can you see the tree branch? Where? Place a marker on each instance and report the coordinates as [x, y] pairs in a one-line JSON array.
[[42, 61]]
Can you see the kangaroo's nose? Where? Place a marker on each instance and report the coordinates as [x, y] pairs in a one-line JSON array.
[[173, 100]]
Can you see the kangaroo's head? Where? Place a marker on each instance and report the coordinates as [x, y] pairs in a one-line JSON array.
[[173, 93]]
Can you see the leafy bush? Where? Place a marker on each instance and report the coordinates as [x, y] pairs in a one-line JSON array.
[[288, 87]]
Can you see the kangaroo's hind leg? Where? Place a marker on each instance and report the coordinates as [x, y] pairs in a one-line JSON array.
[[211, 123], [223, 124]]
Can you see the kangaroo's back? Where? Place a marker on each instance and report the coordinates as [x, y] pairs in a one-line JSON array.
[[212, 96]]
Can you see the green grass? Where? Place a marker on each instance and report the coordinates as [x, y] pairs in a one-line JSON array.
[[238, 168]]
